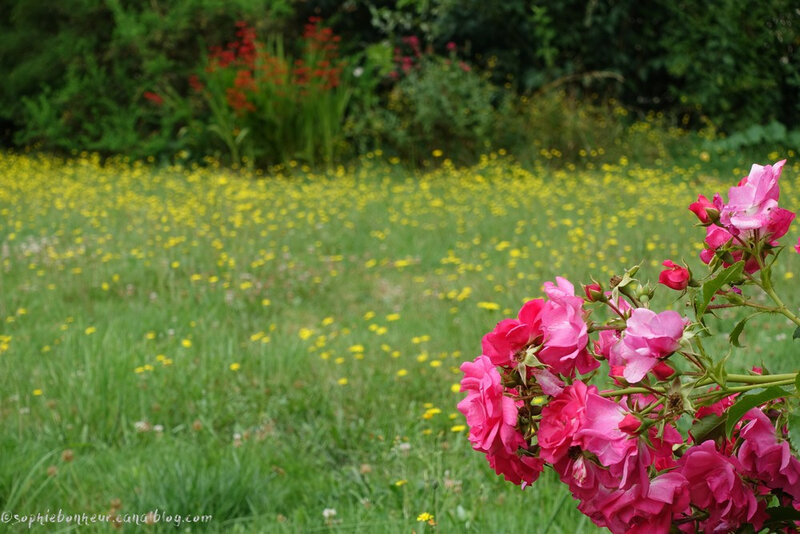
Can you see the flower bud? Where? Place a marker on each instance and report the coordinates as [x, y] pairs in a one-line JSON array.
[[630, 424], [594, 292], [674, 276], [705, 210], [663, 371]]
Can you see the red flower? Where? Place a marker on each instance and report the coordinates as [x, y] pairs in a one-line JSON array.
[[154, 98], [674, 276]]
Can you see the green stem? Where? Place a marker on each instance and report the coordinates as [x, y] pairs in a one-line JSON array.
[[652, 406], [760, 379], [782, 309], [627, 391], [738, 389]]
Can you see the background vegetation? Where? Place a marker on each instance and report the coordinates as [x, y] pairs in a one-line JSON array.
[[406, 77]]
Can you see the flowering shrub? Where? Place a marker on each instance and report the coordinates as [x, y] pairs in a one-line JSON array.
[[270, 107], [675, 442]]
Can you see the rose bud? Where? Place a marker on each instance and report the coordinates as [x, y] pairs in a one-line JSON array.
[[594, 293], [663, 371], [630, 424], [704, 209], [674, 276]]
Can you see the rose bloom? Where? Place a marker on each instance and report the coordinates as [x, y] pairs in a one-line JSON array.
[[751, 203], [562, 417], [521, 470], [766, 459], [649, 336], [648, 510], [512, 335], [565, 334], [491, 416], [716, 487], [674, 276]]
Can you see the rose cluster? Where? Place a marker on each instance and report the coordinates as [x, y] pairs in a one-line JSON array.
[[673, 442]]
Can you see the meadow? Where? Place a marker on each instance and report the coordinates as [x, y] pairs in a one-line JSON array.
[[282, 352]]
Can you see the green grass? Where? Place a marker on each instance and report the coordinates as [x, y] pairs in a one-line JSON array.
[[223, 313]]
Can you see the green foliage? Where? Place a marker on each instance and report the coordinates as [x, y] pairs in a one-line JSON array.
[[773, 135], [747, 71], [440, 104], [80, 68]]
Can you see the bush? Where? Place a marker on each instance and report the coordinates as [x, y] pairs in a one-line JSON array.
[[440, 104], [81, 69]]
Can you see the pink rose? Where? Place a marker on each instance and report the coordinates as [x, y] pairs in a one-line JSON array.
[[648, 337], [605, 340], [562, 418], [751, 202], [797, 246], [600, 431], [565, 334], [491, 416], [716, 487], [674, 276], [518, 469], [648, 510], [766, 459], [701, 209], [503, 344], [778, 224]]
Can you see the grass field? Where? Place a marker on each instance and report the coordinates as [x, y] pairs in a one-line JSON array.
[[199, 341]]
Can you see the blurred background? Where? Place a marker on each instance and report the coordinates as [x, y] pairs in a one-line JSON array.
[[264, 82]]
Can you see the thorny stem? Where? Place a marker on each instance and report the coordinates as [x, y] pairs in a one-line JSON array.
[[703, 397], [652, 406], [628, 391]]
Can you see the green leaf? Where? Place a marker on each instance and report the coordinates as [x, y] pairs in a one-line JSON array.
[[793, 420], [749, 400], [737, 330], [796, 334], [709, 427], [726, 276], [782, 514]]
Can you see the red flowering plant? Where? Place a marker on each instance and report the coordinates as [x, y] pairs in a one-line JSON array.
[[674, 441], [269, 106]]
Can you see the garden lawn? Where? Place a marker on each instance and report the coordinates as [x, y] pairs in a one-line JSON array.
[[261, 350]]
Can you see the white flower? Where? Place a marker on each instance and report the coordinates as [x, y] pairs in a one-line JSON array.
[[358, 71], [329, 513]]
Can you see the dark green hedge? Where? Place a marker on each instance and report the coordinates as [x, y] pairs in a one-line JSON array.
[[75, 71]]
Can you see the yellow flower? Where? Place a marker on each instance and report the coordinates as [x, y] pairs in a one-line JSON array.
[[401, 482], [305, 333], [186, 343], [342, 381], [37, 392], [489, 305], [425, 516], [402, 372], [235, 366], [458, 428], [90, 330]]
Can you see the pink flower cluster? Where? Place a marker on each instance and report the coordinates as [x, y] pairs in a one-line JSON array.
[[751, 213], [529, 404]]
